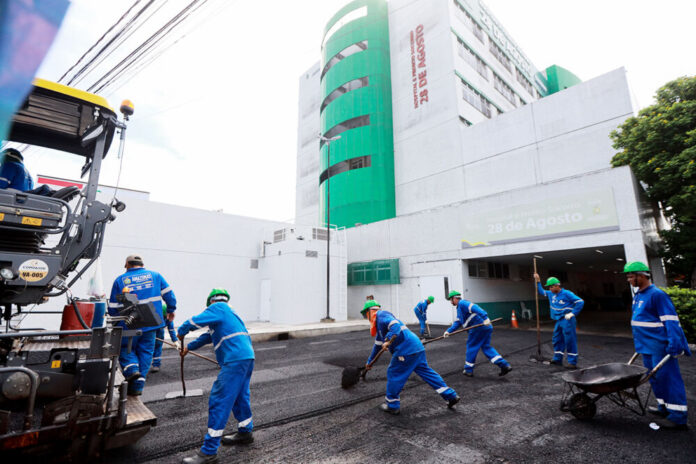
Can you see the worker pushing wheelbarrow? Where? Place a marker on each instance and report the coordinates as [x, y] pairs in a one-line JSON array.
[[617, 381]]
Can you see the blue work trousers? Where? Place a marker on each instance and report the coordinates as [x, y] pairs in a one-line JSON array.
[[421, 320], [480, 340], [565, 339], [401, 367], [230, 393], [138, 360], [157, 354], [668, 387]]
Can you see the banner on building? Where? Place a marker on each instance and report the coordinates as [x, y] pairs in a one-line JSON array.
[[555, 217]]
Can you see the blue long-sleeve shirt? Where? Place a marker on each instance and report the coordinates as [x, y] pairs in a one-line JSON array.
[[562, 303], [149, 286], [226, 331], [15, 176], [388, 326], [468, 314], [422, 308], [655, 324]]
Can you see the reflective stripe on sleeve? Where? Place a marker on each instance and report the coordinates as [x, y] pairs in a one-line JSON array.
[[392, 323], [378, 343], [647, 324], [471, 305], [244, 423], [226, 337], [669, 318], [166, 290], [468, 319], [194, 324], [215, 433]]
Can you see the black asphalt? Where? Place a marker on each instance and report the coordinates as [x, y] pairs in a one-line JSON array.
[[302, 415]]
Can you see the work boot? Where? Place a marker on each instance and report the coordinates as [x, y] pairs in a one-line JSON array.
[[200, 458], [133, 377], [468, 374], [132, 392], [154, 369], [239, 438], [453, 401], [385, 407], [504, 370], [556, 362], [571, 367], [669, 425], [657, 411]]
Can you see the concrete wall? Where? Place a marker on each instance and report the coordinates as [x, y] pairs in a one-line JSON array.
[[307, 187]]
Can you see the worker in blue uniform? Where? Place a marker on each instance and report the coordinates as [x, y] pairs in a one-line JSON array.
[[657, 333], [234, 353], [565, 306], [157, 355], [470, 314], [14, 175], [408, 355], [421, 311], [149, 286]]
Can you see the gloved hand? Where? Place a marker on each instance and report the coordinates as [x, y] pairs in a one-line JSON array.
[[446, 334], [178, 345], [184, 352], [367, 367], [487, 322], [672, 351], [170, 316], [569, 316]]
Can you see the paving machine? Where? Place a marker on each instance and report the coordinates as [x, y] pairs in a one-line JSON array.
[[61, 389]]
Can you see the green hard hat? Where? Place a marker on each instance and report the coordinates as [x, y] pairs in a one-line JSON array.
[[453, 293], [552, 281], [636, 266], [431, 299], [218, 292], [369, 304]]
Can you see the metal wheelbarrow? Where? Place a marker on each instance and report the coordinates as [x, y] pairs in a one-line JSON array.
[[617, 381]]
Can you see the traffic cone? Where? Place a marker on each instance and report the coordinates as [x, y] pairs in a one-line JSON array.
[[513, 321]]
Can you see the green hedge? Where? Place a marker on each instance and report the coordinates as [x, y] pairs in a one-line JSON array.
[[684, 300]]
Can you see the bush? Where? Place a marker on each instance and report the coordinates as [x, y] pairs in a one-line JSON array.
[[684, 300]]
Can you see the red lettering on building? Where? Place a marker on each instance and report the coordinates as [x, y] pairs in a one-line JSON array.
[[419, 72]]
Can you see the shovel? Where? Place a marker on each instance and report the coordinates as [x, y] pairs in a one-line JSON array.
[[441, 337], [184, 393], [351, 375]]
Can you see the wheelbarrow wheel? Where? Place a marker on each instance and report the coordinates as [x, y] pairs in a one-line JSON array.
[[582, 407]]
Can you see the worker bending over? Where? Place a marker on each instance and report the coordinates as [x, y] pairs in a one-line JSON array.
[[656, 333], [159, 337], [408, 355], [150, 287], [470, 314], [234, 353], [565, 306], [421, 311]]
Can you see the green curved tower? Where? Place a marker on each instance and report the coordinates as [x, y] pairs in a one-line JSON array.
[[356, 104]]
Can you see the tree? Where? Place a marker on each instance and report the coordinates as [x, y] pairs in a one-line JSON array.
[[660, 146]]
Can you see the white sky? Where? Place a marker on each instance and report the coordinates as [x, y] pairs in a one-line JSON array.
[[215, 124]]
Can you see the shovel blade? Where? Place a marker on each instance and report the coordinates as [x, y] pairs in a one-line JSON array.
[[180, 394]]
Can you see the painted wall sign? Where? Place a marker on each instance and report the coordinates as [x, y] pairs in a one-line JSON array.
[[419, 72], [555, 217]]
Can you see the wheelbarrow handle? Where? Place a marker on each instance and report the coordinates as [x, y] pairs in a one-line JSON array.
[[656, 368], [633, 358]]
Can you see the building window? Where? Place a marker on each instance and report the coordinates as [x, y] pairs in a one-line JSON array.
[[345, 53], [278, 235], [311, 254], [466, 18], [345, 88], [348, 124], [348, 17], [489, 270], [504, 89], [254, 264], [380, 272], [524, 81], [472, 59], [500, 56], [319, 234], [476, 100], [347, 165]]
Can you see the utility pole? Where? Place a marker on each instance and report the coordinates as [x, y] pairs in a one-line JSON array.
[[328, 141]]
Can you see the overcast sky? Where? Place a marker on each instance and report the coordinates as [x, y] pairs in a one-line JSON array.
[[215, 123]]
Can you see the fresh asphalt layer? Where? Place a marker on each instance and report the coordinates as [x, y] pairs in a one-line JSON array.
[[302, 415]]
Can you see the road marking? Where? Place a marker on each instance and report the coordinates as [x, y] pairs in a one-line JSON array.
[[325, 341], [266, 348]]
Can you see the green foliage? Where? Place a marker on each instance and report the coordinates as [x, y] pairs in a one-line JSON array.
[[660, 146], [684, 300]]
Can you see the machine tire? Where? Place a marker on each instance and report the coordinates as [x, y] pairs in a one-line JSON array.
[[582, 407]]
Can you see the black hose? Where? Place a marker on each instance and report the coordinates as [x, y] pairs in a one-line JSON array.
[[79, 316]]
